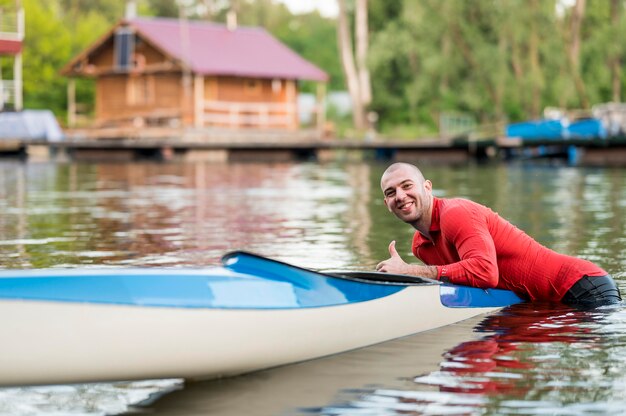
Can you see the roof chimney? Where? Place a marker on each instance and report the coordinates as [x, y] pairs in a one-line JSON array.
[[231, 20], [131, 9]]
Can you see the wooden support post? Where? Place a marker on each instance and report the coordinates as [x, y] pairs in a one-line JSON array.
[[17, 63], [264, 116], [71, 102], [292, 101], [198, 100], [17, 81], [320, 107], [1, 90], [234, 115]]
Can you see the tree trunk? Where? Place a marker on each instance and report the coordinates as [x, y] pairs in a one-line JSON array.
[[578, 13], [446, 47], [362, 41], [615, 61], [472, 62], [349, 67], [500, 82], [535, 70]]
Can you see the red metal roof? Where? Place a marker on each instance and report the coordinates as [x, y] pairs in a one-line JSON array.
[[10, 47], [213, 49]]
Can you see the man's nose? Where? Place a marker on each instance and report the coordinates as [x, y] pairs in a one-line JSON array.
[[400, 194]]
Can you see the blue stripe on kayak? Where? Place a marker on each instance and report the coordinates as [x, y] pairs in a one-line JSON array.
[[454, 296], [245, 282], [219, 287]]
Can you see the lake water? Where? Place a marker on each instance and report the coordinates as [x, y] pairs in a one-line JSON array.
[[527, 359]]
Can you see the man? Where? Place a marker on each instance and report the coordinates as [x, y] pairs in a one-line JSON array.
[[466, 243]]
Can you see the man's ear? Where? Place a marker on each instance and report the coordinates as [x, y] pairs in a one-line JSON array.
[[428, 185], [385, 202]]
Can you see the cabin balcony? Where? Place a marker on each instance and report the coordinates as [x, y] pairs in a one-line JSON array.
[[11, 31], [255, 115], [11, 37], [8, 94]]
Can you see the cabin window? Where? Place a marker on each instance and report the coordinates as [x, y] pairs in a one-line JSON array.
[[277, 86], [140, 90], [124, 46], [252, 86]]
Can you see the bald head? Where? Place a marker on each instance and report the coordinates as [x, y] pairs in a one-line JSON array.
[[408, 195], [409, 169]]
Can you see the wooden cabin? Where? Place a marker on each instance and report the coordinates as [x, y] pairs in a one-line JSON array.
[[151, 71], [11, 40]]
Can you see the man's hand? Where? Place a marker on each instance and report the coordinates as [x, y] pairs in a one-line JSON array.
[[394, 264]]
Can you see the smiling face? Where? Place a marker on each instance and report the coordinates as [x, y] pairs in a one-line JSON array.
[[407, 194]]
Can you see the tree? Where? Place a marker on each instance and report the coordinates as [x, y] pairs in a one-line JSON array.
[[355, 65], [615, 59], [310, 35], [47, 46], [494, 60], [578, 14]]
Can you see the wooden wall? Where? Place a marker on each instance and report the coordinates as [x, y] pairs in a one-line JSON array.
[[123, 98], [156, 91], [250, 102], [145, 56]]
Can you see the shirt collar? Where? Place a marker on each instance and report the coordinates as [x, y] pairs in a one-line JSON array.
[[434, 220], [434, 223]]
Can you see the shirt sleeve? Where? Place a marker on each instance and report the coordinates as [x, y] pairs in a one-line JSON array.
[[467, 229]]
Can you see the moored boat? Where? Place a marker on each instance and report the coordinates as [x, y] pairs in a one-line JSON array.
[[251, 313]]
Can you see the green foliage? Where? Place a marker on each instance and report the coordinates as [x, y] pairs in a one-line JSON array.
[[495, 60], [432, 56], [110, 10], [57, 30], [163, 8], [46, 49], [309, 34]]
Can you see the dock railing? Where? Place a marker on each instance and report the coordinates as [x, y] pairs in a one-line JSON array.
[[454, 124]]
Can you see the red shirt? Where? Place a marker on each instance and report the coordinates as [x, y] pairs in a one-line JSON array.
[[473, 246]]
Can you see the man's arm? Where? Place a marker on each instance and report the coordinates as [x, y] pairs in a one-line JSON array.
[[396, 265], [466, 228]]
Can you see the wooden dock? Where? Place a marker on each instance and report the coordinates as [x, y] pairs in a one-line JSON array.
[[225, 145]]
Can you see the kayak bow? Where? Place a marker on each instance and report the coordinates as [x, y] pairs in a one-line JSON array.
[[80, 325]]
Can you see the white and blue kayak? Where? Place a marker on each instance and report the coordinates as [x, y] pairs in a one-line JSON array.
[[251, 313]]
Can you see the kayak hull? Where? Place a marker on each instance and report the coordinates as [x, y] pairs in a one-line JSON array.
[[86, 325], [62, 342]]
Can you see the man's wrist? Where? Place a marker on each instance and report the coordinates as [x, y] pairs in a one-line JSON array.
[[433, 272], [430, 272]]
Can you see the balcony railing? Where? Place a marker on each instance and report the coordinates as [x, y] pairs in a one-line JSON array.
[[245, 114], [8, 90], [11, 24]]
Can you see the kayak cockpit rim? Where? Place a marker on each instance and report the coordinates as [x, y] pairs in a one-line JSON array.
[[382, 278], [355, 276]]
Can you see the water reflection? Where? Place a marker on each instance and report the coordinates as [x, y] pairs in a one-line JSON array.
[[82, 399], [180, 214], [331, 216], [532, 359]]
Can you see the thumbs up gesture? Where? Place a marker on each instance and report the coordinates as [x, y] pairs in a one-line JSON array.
[[394, 264]]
